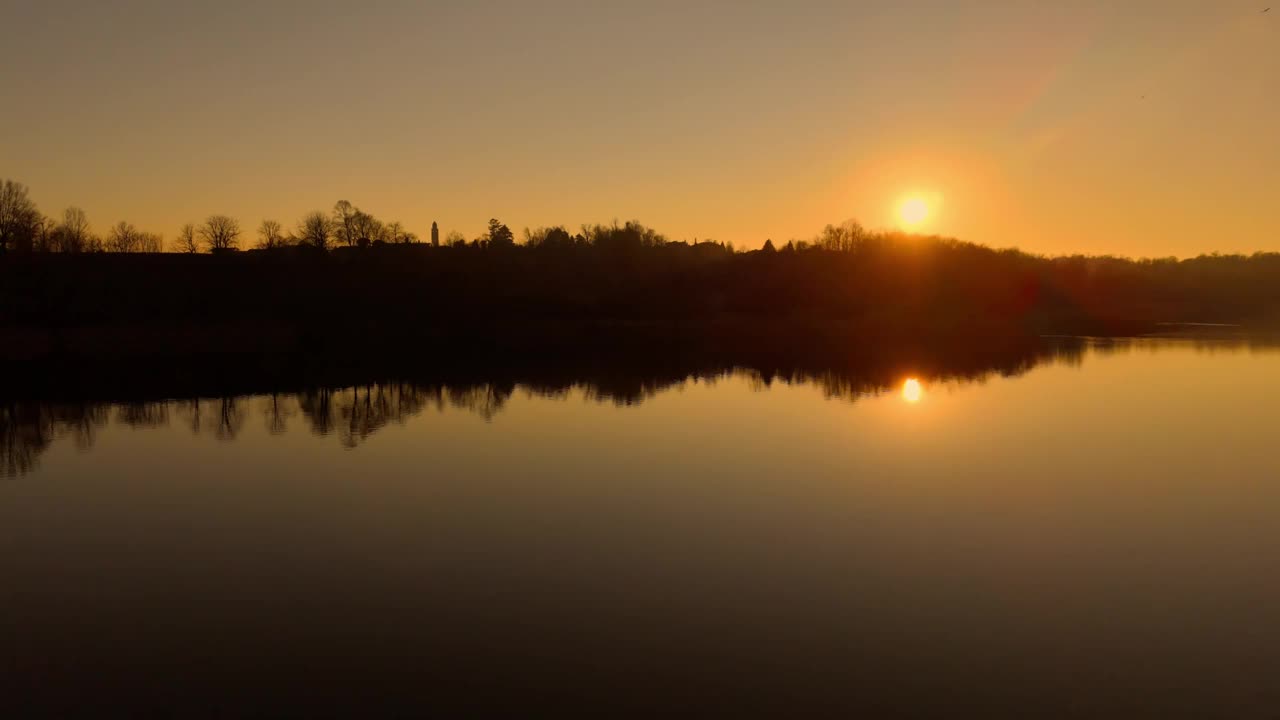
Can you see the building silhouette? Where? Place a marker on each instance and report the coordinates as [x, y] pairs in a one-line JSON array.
[[435, 235]]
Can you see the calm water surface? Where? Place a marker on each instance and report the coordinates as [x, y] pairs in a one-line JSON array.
[[1094, 532]]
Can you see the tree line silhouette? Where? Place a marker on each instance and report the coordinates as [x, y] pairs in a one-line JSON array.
[[25, 229], [341, 280]]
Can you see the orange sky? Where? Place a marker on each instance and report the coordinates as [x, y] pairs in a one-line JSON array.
[[1137, 128]]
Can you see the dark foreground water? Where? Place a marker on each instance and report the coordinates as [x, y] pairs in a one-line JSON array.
[[1091, 531]]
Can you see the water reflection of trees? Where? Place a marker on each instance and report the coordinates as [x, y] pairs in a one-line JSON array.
[[353, 414], [222, 418], [27, 429], [141, 415]]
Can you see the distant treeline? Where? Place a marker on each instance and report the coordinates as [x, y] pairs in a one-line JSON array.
[[343, 278]]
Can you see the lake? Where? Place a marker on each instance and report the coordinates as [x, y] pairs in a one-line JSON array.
[[1090, 528]]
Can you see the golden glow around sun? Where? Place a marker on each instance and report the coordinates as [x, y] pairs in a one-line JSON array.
[[913, 211], [912, 391]]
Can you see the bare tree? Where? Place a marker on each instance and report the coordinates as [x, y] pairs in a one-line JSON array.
[[344, 222], [315, 230], [20, 222], [396, 233], [366, 228], [187, 241], [220, 232], [150, 242], [270, 235], [842, 238], [46, 239], [123, 238], [455, 239], [74, 234]]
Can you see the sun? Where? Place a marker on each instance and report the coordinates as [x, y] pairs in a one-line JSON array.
[[913, 211], [912, 391]]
